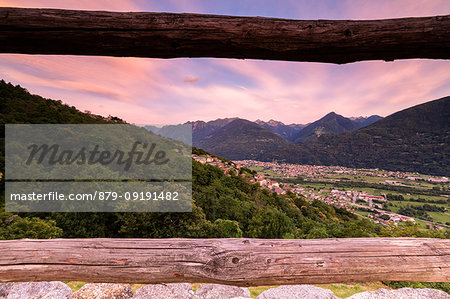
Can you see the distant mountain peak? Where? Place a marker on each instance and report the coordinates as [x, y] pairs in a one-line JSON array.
[[332, 123], [363, 121], [201, 129], [213, 121], [287, 132], [275, 123], [332, 115], [364, 117], [271, 122], [358, 117]]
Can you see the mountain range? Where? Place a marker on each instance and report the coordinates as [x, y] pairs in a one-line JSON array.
[[236, 138], [415, 139], [331, 123]]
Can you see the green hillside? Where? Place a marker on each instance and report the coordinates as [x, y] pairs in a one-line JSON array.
[[223, 206], [18, 106]]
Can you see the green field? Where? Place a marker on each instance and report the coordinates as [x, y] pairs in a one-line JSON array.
[[437, 216]]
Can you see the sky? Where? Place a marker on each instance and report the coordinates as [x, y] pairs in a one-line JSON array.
[[159, 91]]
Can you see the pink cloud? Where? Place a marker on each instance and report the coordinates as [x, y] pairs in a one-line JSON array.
[[352, 90], [155, 90], [191, 79], [383, 9]]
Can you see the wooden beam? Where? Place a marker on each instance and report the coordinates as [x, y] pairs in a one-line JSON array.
[[242, 262], [169, 35]]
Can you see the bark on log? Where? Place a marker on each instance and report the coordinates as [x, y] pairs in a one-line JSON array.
[[169, 35], [242, 262]]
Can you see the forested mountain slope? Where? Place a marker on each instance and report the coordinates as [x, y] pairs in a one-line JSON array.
[[414, 139]]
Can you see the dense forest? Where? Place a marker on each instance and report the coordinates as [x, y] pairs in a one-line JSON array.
[[223, 206]]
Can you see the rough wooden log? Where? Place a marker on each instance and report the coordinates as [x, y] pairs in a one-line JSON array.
[[169, 35], [242, 262]]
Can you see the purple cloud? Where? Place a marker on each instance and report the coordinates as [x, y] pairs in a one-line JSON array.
[[156, 90]]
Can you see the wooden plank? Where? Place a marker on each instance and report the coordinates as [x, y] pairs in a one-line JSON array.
[[169, 35], [243, 262]]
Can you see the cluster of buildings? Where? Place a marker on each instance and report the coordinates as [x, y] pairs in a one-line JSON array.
[[355, 196], [226, 167], [99, 117], [438, 180], [294, 170], [348, 199], [385, 217], [271, 185], [312, 171]]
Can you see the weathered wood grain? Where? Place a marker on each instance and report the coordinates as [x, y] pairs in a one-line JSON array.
[[169, 35], [243, 262]]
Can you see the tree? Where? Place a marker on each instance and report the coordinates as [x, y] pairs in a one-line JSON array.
[[270, 223], [16, 227], [226, 229], [318, 232]]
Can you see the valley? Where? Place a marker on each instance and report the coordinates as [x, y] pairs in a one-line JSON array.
[[386, 197]]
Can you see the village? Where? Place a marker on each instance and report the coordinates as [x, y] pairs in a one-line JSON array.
[[350, 200], [316, 171]]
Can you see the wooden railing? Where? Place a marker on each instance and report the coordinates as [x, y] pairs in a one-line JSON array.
[[169, 35], [242, 262]]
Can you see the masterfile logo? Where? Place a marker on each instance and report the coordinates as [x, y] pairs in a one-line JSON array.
[[109, 152], [54, 155], [95, 168]]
